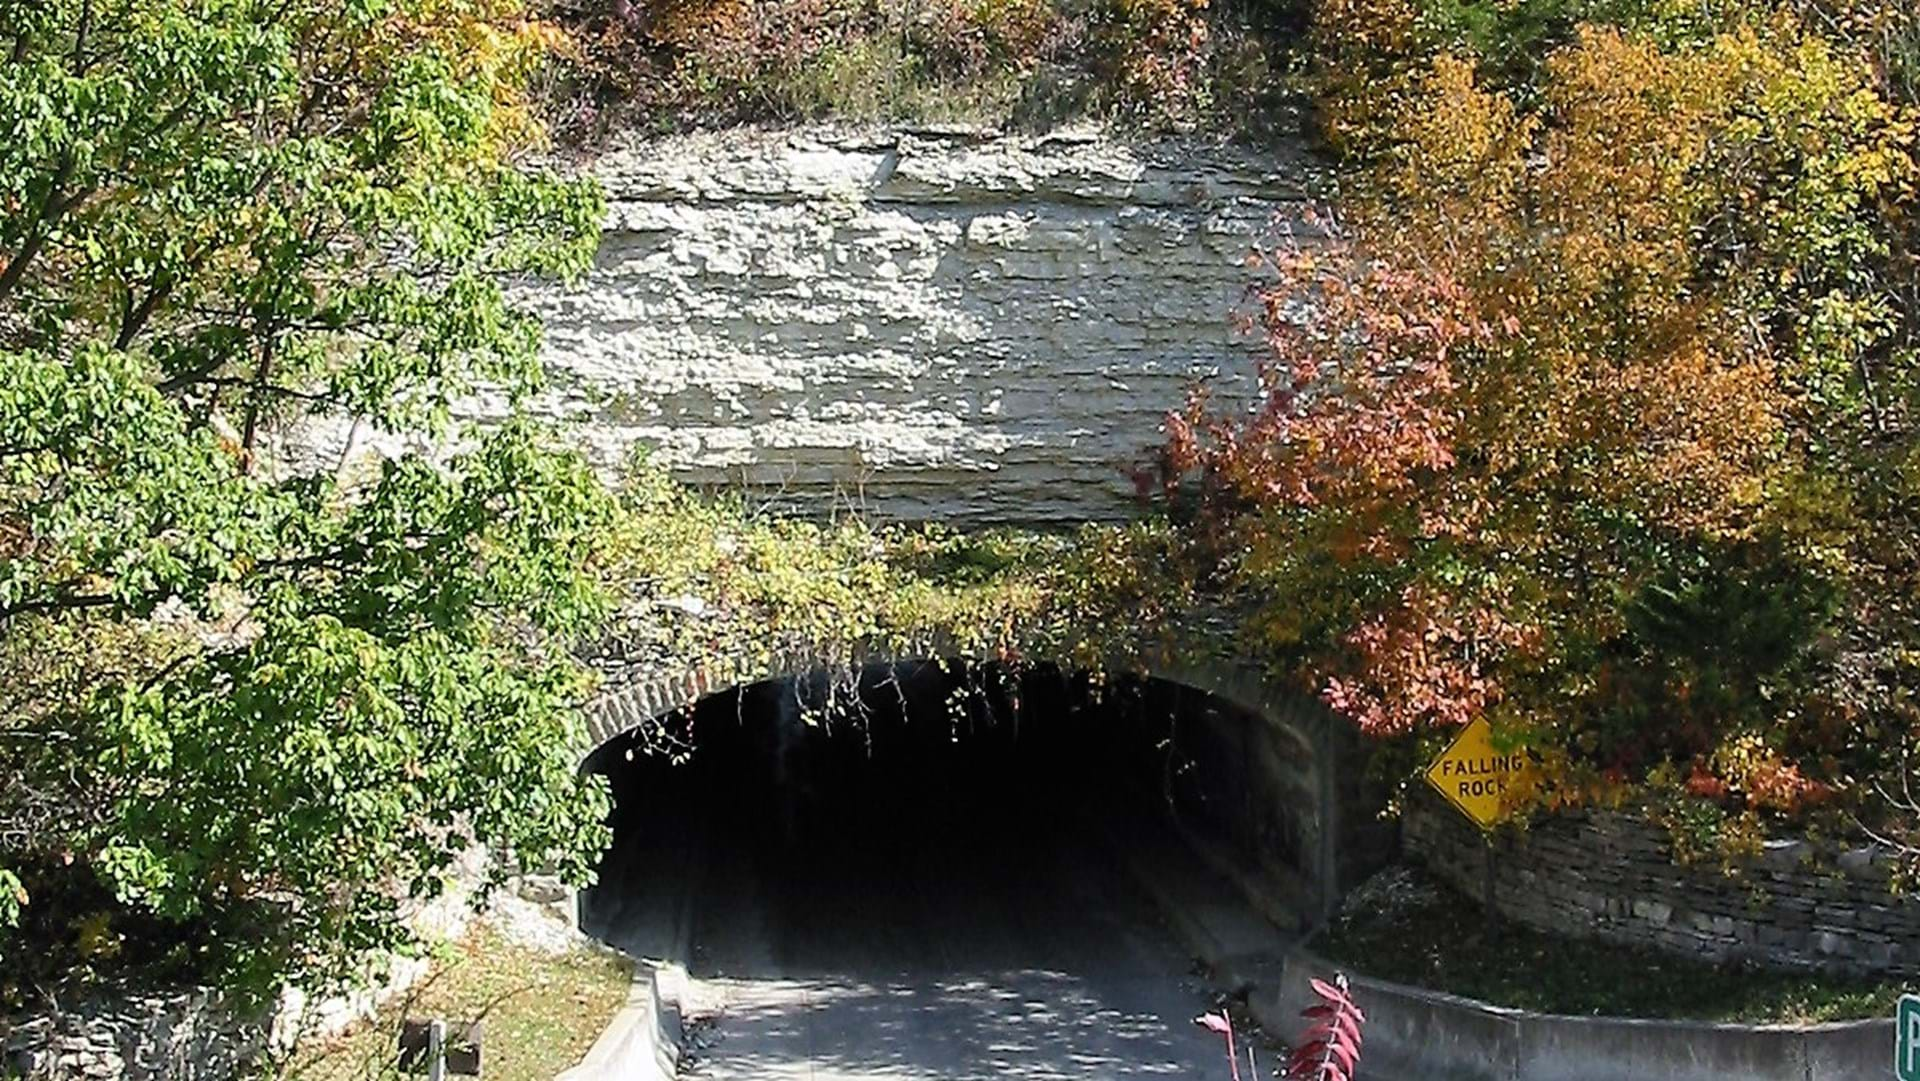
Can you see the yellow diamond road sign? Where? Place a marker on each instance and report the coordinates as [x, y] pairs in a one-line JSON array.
[[1474, 776]]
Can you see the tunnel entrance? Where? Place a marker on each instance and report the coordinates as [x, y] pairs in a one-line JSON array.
[[942, 871]]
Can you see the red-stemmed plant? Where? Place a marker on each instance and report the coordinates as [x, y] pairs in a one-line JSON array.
[[1223, 1024], [1329, 1050]]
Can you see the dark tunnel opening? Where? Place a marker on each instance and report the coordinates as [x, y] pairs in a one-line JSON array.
[[799, 776], [998, 842]]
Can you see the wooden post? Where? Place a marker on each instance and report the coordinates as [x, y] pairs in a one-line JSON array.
[[429, 1047]]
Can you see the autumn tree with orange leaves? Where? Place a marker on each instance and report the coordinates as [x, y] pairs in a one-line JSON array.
[[1590, 415]]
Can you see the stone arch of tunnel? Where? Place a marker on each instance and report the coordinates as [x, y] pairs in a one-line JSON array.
[[1257, 776]]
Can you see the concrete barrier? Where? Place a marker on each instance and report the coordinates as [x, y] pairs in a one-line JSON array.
[[1413, 1032], [641, 1043]]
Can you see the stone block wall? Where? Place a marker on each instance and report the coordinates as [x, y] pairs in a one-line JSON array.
[[950, 325], [181, 1036], [1612, 876], [191, 1035]]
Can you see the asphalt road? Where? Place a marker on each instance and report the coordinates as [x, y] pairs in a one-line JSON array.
[[981, 942]]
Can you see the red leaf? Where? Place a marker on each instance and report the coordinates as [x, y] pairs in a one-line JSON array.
[[1330, 1046], [1216, 1021], [1328, 991]]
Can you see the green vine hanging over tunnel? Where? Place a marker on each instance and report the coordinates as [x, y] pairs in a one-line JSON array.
[[708, 583]]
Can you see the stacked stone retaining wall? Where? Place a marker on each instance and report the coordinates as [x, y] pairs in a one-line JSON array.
[[954, 325], [183, 1036], [127, 1034], [1613, 876]]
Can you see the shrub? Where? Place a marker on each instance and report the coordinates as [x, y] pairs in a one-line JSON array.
[[662, 63]]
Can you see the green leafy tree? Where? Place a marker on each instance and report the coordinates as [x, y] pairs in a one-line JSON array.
[[251, 713]]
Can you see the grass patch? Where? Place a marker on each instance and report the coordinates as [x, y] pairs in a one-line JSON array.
[[1410, 928], [542, 1011]]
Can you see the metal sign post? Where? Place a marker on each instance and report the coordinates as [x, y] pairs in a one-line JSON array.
[[1486, 877], [1474, 776]]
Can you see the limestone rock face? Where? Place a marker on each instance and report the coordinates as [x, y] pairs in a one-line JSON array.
[[931, 325]]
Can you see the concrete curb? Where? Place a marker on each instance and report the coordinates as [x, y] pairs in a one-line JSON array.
[[641, 1043], [1414, 1032]]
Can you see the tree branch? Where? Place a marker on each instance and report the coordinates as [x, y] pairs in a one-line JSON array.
[[136, 317], [51, 209], [59, 602], [261, 374]]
